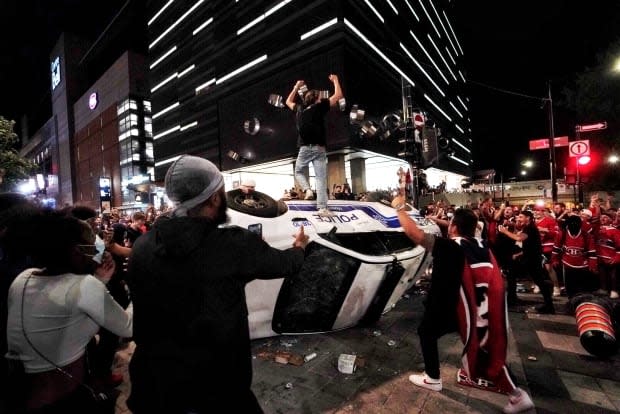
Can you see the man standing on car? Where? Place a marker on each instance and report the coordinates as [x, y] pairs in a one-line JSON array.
[[310, 121], [187, 279]]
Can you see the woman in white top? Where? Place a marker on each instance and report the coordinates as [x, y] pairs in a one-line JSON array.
[[54, 311]]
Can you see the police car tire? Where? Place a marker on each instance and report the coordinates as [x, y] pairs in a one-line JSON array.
[[266, 206]]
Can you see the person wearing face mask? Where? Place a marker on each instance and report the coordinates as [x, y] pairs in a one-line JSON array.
[[54, 312], [187, 279], [102, 356]]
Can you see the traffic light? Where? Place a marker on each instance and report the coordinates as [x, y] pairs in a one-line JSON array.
[[584, 160]]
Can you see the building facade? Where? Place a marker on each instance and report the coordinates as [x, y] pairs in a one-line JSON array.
[[215, 67]]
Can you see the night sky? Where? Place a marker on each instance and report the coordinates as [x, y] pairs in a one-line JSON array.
[[512, 50]]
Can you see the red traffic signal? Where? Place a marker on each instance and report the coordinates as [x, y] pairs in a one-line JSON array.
[[584, 160]]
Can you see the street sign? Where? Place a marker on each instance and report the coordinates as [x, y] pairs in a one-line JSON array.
[[543, 143], [579, 148], [591, 127]]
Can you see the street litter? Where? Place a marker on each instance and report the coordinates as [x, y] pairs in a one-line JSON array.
[[347, 363], [310, 357], [391, 342], [532, 358]]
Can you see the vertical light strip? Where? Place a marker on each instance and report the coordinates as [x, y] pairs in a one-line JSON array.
[[412, 11], [457, 126], [167, 161], [241, 69], [202, 26], [456, 110], [263, 16], [277, 7], [441, 56], [457, 142], [319, 28], [462, 77], [437, 107], [167, 132], [159, 12], [189, 69], [165, 110], [369, 4], [453, 34], [377, 51], [392, 6], [188, 126], [459, 160], [251, 24], [175, 24], [422, 69], [206, 84], [165, 81], [450, 54], [444, 29], [429, 56], [164, 56], [462, 103], [428, 16]]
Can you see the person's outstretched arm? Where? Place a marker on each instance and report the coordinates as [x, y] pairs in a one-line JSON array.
[[290, 100], [333, 100]]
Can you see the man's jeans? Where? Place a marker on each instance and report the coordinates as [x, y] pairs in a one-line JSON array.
[[314, 154]]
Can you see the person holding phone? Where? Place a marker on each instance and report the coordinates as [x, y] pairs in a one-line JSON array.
[[187, 278]]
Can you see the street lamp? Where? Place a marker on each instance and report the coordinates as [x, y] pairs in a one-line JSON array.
[[527, 163], [523, 172], [613, 159], [616, 67]]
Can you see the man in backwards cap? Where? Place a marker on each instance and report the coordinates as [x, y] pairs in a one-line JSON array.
[[187, 279]]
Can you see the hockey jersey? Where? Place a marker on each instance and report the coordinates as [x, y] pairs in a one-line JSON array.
[[547, 238], [576, 251], [608, 245]]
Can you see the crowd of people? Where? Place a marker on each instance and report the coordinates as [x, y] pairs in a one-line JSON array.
[[72, 279], [482, 253], [79, 285]]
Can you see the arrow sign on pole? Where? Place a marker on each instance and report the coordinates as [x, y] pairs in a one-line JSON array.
[[579, 148], [591, 127]]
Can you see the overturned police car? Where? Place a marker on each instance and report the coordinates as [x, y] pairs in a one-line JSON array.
[[359, 263]]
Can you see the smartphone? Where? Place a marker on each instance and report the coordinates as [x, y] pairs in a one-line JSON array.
[[256, 228]]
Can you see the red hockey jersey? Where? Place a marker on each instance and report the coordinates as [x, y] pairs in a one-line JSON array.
[[547, 238], [608, 245], [574, 251]]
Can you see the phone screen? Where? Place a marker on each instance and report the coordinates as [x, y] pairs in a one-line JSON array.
[[256, 228]]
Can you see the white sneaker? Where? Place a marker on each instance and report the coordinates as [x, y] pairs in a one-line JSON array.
[[518, 403], [309, 195], [556, 291], [536, 289], [427, 382], [614, 294], [325, 212]]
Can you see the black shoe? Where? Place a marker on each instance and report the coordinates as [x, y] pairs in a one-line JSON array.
[[545, 309]]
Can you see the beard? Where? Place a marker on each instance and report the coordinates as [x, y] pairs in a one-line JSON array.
[[221, 216]]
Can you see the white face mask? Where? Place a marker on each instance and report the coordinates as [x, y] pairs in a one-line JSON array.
[[100, 246]]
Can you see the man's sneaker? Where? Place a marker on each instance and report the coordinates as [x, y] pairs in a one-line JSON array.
[[613, 294], [536, 289], [545, 309], [325, 212], [427, 382], [518, 403], [556, 291], [309, 195]]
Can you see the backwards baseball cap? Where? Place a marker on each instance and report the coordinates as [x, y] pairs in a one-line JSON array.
[[248, 182], [190, 181]]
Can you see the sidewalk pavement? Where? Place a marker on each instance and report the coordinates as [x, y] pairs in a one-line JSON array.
[[544, 355]]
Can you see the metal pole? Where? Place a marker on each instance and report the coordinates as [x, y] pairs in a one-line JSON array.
[[554, 188]]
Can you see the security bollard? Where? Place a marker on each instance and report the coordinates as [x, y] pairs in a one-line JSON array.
[[594, 324]]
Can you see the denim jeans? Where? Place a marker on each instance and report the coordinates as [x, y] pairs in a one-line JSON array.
[[316, 155]]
